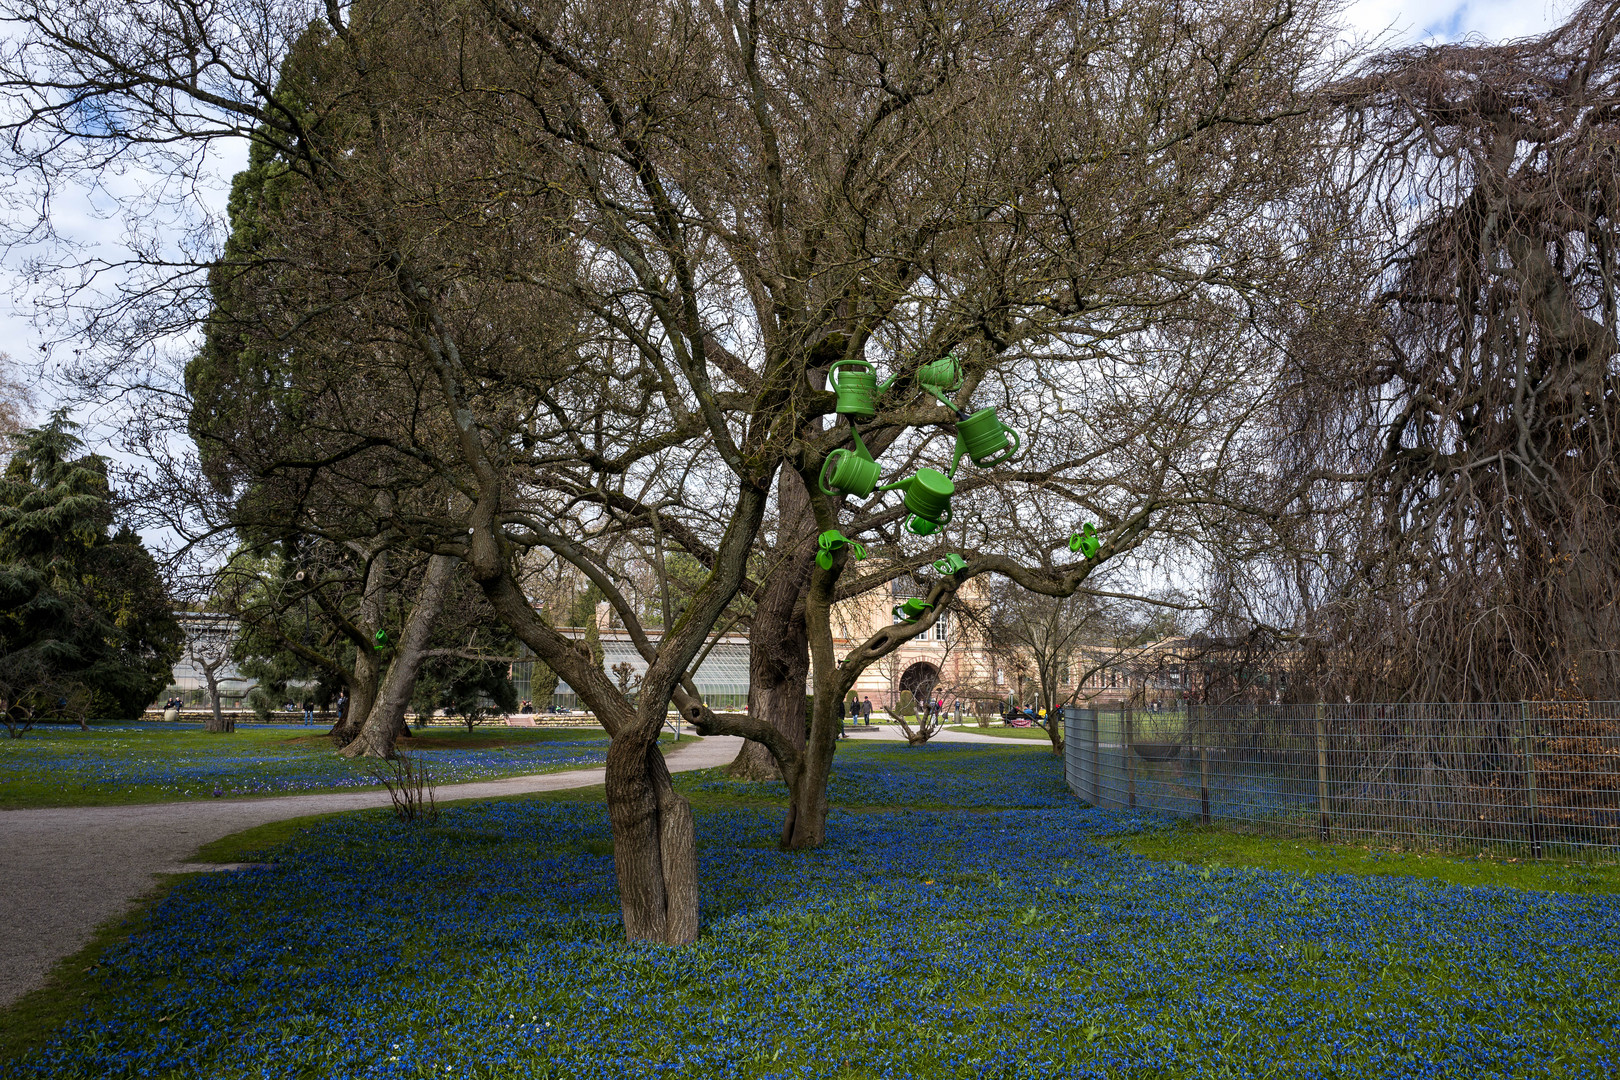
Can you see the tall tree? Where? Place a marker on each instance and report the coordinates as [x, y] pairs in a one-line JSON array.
[[1474, 531], [86, 621], [550, 276]]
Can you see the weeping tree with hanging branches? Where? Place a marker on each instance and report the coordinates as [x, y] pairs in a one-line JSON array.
[[1472, 551]]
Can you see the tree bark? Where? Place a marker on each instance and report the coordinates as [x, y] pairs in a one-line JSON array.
[[778, 646], [217, 724], [806, 824], [363, 682], [654, 843], [387, 717], [367, 673]]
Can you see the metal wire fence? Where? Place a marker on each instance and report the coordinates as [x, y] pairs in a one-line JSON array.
[[1532, 775]]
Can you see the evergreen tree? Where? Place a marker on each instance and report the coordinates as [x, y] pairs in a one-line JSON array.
[[85, 624]]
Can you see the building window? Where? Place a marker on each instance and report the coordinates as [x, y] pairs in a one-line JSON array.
[[939, 628]]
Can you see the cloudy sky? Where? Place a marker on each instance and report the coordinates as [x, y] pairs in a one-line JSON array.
[[94, 222]]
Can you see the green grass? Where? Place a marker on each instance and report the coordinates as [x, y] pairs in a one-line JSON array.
[[122, 764], [77, 983], [1001, 732], [240, 846], [1035, 935], [1225, 846]]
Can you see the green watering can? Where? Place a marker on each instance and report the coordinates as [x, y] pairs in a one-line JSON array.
[[829, 542], [912, 610], [950, 564], [381, 639], [1085, 541], [985, 439], [855, 383], [941, 377], [854, 472], [928, 497]]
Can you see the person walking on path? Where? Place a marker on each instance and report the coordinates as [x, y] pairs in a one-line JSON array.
[[866, 708], [309, 711]]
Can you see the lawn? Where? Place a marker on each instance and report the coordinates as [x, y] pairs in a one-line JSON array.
[[966, 919], [149, 762], [1001, 732]]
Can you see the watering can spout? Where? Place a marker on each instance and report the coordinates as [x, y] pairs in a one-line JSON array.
[[941, 378], [850, 472]]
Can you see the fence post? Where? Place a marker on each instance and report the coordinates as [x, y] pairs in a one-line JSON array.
[[1530, 779], [1130, 756], [1096, 757], [1203, 762], [1326, 823]]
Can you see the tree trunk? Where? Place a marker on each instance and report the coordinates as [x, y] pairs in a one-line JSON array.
[[1054, 726], [217, 724], [368, 662], [778, 646], [363, 684], [387, 717], [654, 840], [806, 825], [778, 670]]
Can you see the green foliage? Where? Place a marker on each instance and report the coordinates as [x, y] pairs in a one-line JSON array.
[[1223, 846], [240, 383], [170, 763], [459, 687], [281, 632], [85, 623], [907, 705]]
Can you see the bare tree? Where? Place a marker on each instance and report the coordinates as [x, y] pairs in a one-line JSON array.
[[16, 403], [1050, 631], [550, 277], [209, 647], [1470, 551]]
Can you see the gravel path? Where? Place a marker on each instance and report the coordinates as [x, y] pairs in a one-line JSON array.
[[65, 871]]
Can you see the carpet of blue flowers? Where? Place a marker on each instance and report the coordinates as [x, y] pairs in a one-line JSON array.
[[162, 762], [1005, 940]]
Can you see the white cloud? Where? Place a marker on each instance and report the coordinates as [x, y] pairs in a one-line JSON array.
[[1447, 20]]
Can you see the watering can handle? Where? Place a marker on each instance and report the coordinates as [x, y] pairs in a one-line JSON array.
[[833, 370], [1001, 457], [821, 481]]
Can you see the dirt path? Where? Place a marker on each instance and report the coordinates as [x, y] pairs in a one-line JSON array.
[[64, 871]]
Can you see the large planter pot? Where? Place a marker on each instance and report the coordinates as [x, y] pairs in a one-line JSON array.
[[1156, 751]]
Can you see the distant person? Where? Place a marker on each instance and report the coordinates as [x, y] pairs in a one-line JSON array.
[[343, 706], [866, 711], [309, 711]]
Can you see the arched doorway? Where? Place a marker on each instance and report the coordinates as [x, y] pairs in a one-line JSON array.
[[920, 678]]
